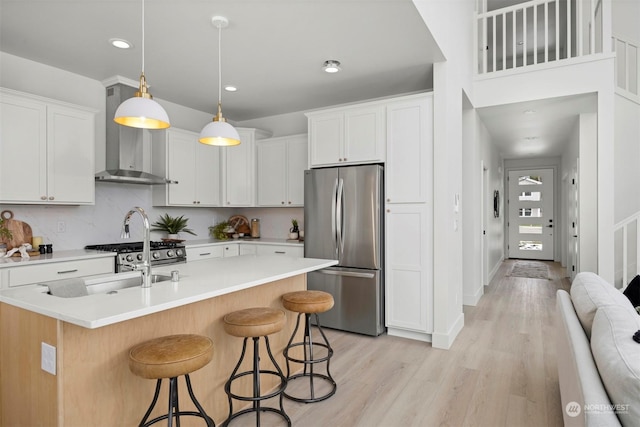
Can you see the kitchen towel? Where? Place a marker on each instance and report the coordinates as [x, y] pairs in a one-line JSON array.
[[68, 288]]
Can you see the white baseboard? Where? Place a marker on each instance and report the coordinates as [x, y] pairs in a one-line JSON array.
[[412, 335], [494, 270], [473, 299], [445, 341]]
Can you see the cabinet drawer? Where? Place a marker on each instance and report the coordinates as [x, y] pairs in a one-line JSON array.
[[248, 249], [205, 252], [292, 251], [59, 270]]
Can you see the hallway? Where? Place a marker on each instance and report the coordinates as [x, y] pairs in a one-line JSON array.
[[501, 370]]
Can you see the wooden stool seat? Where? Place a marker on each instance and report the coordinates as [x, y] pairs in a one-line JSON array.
[[308, 301], [254, 322], [170, 356]]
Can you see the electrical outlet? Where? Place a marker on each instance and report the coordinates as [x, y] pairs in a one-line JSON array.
[[62, 227], [48, 358]]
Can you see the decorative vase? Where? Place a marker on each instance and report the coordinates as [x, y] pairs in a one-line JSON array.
[[173, 237]]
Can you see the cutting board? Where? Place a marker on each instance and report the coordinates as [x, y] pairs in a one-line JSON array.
[[21, 231]]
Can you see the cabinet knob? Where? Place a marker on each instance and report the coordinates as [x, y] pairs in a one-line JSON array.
[[51, 198], [388, 210], [198, 201], [289, 201], [43, 197], [388, 200], [345, 159], [339, 160], [282, 202], [194, 202]]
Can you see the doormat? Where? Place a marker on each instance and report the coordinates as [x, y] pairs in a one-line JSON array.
[[530, 270]]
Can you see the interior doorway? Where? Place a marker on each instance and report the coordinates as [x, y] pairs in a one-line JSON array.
[[531, 210]]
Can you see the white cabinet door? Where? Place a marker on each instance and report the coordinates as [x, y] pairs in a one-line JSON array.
[[284, 250], [409, 150], [232, 249], [247, 249], [281, 165], [46, 151], [272, 173], [350, 135], [23, 149], [409, 289], [296, 165], [239, 171], [204, 252], [326, 138], [364, 139], [70, 155], [29, 274], [179, 156]]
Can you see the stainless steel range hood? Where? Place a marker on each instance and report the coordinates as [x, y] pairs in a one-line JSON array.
[[125, 146]]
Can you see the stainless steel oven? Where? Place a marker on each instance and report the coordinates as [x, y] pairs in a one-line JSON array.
[[162, 253]]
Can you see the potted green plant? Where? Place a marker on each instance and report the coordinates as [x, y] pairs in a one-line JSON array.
[[172, 225], [220, 231], [294, 230]]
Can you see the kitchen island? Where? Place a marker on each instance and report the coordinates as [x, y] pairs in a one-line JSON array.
[[92, 335]]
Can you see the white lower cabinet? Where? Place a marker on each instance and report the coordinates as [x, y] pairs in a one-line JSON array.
[[408, 278], [204, 252], [285, 250], [248, 249], [232, 249], [37, 273]]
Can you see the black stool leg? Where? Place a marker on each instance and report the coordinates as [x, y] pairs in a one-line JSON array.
[[174, 409], [256, 398], [308, 361]]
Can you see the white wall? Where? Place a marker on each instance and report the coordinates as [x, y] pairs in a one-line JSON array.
[[627, 158], [451, 23]]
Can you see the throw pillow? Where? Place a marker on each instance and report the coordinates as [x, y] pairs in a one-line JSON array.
[[617, 357], [632, 291]]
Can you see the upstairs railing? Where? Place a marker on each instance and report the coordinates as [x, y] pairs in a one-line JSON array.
[[537, 32], [626, 253], [627, 67]]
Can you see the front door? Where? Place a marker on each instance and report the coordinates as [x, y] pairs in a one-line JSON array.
[[531, 214]]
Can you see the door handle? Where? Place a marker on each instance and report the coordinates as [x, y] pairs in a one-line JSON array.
[[346, 273]]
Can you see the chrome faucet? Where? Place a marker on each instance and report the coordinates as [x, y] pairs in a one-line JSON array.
[[145, 265]]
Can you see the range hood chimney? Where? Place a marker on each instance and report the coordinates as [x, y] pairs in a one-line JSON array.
[[125, 145]]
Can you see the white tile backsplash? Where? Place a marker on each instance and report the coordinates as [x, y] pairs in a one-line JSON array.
[[102, 222]]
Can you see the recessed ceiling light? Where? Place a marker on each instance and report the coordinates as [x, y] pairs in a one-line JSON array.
[[331, 66], [529, 111], [530, 138], [120, 43], [230, 88]]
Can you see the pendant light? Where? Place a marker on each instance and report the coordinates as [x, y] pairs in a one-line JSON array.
[[219, 132], [142, 111]]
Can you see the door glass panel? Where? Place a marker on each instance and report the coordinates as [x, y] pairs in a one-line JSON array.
[[530, 180], [529, 196], [530, 245], [530, 212], [530, 229]]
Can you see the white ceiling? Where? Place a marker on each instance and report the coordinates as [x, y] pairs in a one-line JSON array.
[[272, 51]]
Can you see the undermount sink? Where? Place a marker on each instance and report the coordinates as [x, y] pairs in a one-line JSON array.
[[73, 288]]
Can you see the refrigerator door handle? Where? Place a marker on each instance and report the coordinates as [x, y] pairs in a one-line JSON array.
[[346, 273], [334, 234], [339, 215]]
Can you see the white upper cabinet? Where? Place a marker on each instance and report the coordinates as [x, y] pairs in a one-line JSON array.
[[409, 149], [281, 165], [238, 166], [179, 156], [46, 151], [349, 135]]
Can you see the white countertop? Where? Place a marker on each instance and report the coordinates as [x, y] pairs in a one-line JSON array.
[[244, 240], [199, 280], [56, 256]]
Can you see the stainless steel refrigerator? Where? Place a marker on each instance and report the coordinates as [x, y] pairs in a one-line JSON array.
[[343, 220]]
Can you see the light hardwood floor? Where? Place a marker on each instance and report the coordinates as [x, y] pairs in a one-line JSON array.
[[500, 371]]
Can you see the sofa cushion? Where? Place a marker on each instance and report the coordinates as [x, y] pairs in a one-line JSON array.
[[632, 291], [617, 357], [589, 292]]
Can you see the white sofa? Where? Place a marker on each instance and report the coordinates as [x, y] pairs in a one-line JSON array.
[[598, 360]]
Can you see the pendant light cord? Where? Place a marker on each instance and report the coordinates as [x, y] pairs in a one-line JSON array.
[[219, 65], [142, 36]]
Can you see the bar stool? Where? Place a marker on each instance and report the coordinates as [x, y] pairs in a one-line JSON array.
[[170, 357], [255, 323], [308, 303]]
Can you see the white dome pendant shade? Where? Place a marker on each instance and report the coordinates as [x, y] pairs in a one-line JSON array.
[[219, 132], [142, 111]]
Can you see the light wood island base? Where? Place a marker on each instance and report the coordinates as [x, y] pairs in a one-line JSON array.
[[93, 385]]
